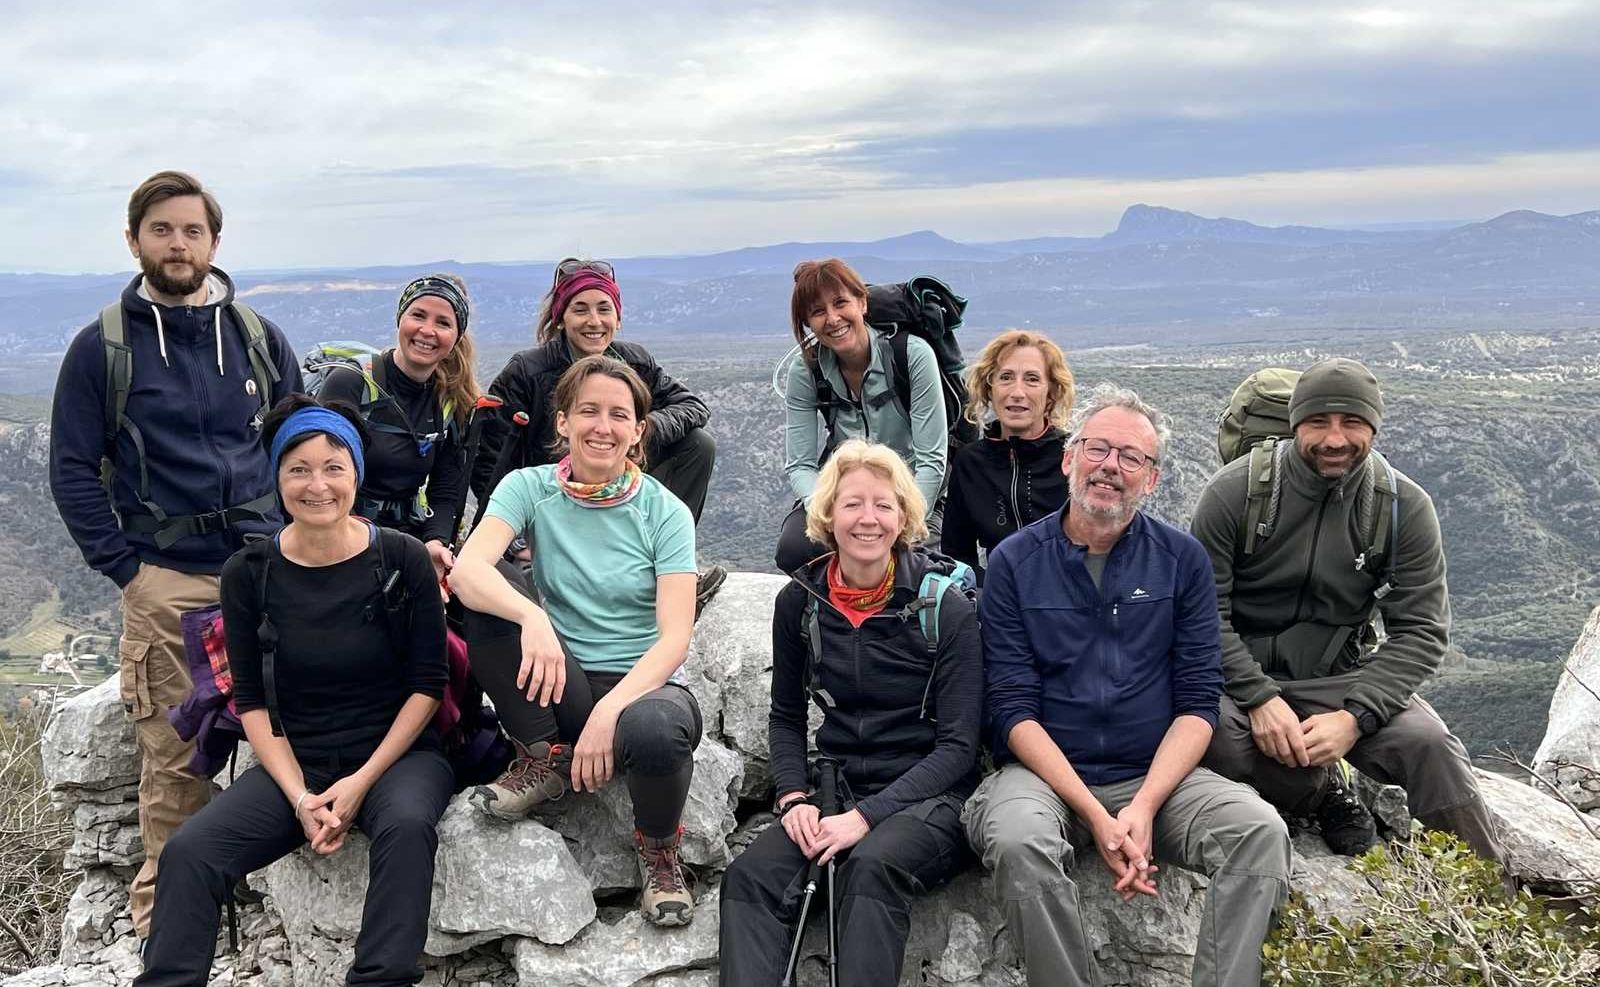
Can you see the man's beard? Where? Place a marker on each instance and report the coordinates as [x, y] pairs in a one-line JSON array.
[[155, 271], [1122, 511]]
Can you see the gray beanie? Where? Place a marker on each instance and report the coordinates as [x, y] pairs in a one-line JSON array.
[[1337, 385]]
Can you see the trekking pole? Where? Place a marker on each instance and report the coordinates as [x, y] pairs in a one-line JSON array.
[[828, 795]]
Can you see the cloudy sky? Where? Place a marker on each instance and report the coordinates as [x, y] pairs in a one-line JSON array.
[[367, 133]]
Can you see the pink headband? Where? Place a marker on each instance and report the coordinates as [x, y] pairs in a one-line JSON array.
[[582, 281]]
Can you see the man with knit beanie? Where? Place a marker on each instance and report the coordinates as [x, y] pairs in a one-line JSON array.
[[1308, 680]]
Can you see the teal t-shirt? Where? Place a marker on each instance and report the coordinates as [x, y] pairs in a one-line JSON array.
[[596, 567]]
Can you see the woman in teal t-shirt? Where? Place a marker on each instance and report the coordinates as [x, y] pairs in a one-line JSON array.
[[587, 684]]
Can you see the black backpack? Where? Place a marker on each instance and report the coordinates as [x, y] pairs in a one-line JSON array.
[[927, 308]]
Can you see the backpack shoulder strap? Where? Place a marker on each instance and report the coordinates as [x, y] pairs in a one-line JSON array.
[[811, 630], [119, 369], [1259, 483], [260, 559], [900, 368], [262, 369], [1385, 538]]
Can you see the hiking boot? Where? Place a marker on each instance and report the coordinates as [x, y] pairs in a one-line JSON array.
[[1347, 826], [540, 773], [706, 586], [666, 899]]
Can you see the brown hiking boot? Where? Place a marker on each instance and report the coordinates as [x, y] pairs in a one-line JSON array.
[[540, 772], [666, 899], [706, 586]]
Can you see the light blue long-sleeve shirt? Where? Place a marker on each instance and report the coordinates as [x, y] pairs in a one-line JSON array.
[[919, 436]]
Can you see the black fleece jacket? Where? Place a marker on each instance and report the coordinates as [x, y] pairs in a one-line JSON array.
[[528, 385], [892, 755], [999, 486]]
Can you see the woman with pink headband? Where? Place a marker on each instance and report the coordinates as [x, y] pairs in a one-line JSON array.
[[580, 316]]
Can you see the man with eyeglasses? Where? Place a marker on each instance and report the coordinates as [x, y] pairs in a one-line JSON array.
[[1307, 682], [1102, 675]]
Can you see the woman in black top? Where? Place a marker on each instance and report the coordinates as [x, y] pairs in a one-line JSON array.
[[1022, 384], [901, 720], [337, 711], [416, 400]]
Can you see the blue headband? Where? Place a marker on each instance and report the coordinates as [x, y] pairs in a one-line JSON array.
[[326, 422]]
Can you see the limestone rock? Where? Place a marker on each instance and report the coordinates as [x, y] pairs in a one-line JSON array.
[[599, 826], [626, 953], [730, 670], [89, 743], [491, 879], [105, 834], [506, 879], [97, 914], [1570, 755], [1547, 844]]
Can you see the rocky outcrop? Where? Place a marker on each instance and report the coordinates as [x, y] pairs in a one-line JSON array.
[[547, 901], [1569, 758]]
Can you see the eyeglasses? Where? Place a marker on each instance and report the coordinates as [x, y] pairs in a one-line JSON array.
[[572, 265], [1129, 459]]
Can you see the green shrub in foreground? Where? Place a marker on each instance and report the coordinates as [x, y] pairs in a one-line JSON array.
[[1435, 915]]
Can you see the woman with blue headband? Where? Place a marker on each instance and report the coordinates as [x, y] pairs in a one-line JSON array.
[[336, 637], [416, 399]]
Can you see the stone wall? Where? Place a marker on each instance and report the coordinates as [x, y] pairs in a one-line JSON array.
[[547, 902]]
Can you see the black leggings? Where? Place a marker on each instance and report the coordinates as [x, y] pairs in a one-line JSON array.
[[656, 735], [252, 824]]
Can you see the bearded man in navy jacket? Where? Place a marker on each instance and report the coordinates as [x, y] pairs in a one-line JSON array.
[[1102, 669], [188, 476]]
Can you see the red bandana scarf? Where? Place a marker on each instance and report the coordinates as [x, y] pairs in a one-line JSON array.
[[858, 604]]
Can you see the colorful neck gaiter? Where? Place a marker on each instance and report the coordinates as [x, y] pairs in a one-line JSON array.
[[858, 604], [610, 494]]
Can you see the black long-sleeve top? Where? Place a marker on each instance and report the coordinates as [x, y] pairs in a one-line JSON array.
[[998, 487], [395, 470], [341, 680], [893, 756]]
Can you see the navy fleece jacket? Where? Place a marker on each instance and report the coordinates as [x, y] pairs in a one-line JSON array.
[[1106, 671], [193, 403]]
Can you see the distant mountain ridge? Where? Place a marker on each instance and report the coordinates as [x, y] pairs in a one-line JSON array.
[[1162, 276]]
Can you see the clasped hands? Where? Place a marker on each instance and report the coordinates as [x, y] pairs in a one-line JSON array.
[[326, 816], [823, 838], [1124, 842], [1316, 741]]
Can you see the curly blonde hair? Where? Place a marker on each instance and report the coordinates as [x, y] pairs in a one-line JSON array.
[[980, 390], [857, 454]]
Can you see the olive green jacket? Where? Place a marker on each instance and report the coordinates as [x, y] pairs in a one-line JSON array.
[[1298, 606]]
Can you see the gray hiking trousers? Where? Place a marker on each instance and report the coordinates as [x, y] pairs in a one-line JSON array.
[[1414, 750], [1026, 837]]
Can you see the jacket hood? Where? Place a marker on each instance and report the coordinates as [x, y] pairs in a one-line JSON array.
[[189, 327], [997, 448]]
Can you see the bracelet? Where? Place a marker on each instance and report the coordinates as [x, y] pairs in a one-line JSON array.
[[300, 800], [803, 800]]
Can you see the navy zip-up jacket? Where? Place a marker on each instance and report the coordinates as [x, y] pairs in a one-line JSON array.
[[1104, 672], [193, 405]]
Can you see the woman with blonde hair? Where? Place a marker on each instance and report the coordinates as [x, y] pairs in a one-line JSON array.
[[586, 680], [1022, 386], [415, 401], [900, 719]]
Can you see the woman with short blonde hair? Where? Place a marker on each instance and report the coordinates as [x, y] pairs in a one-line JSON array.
[[899, 722], [1021, 393]]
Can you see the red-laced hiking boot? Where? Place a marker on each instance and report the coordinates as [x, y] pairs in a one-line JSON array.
[[540, 773], [666, 899]]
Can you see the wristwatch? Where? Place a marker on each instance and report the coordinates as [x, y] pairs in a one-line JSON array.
[[1366, 719]]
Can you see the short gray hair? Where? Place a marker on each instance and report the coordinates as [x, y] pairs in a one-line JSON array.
[[1108, 395]]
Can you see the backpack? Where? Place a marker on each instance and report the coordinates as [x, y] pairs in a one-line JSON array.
[[1255, 423], [323, 358], [943, 573], [927, 308], [168, 529]]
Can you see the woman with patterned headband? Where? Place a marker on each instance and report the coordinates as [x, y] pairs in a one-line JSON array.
[[415, 401], [580, 316], [337, 671]]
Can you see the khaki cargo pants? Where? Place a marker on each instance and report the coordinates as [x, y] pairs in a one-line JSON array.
[[154, 678]]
